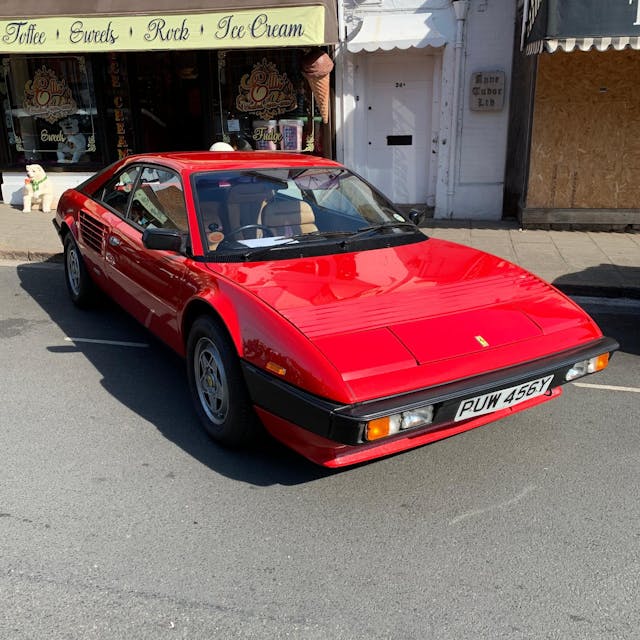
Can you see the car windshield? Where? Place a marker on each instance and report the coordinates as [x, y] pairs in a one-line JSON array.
[[254, 213]]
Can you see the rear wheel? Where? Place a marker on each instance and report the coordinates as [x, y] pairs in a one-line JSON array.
[[79, 283], [217, 386]]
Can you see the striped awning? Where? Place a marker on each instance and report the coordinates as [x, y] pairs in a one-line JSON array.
[[551, 45], [580, 25]]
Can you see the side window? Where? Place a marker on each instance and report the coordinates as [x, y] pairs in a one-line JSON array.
[[116, 192], [158, 200]]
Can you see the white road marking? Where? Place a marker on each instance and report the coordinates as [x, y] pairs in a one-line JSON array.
[[113, 343], [503, 505], [607, 387]]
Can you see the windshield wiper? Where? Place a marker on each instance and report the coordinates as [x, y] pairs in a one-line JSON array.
[[257, 252], [379, 228], [298, 239], [312, 235]]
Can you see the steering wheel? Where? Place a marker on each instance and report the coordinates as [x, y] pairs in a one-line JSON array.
[[245, 227]]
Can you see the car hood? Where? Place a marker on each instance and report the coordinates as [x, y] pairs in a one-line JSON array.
[[381, 311]]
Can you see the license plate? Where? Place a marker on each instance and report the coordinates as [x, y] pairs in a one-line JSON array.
[[490, 402]]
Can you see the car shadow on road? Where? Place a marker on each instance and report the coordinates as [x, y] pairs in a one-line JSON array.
[[607, 282], [152, 383]]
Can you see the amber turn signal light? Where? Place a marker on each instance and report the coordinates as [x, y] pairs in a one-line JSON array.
[[378, 428]]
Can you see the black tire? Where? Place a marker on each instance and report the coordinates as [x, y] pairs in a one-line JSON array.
[[218, 389], [79, 283]]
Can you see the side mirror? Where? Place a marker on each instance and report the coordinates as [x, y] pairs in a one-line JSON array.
[[164, 239], [416, 216]]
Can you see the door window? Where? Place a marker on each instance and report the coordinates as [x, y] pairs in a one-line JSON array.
[[158, 200], [115, 194], [148, 197]]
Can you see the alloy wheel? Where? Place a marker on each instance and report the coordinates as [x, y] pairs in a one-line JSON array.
[[211, 380]]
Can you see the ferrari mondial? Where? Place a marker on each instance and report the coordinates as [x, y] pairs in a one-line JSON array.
[[302, 300]]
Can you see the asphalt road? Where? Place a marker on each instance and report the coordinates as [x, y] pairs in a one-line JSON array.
[[119, 518]]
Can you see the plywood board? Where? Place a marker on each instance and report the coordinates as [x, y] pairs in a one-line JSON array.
[[585, 145]]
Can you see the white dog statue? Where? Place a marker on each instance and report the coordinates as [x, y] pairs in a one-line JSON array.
[[37, 189], [75, 143]]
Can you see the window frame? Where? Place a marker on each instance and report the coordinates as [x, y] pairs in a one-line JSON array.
[[125, 215]]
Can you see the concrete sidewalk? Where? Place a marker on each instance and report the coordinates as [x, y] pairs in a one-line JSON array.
[[594, 263], [578, 262]]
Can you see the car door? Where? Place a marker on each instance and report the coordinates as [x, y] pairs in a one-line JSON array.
[[98, 215], [153, 280]]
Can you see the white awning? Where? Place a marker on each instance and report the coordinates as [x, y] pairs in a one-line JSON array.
[[403, 30], [600, 43]]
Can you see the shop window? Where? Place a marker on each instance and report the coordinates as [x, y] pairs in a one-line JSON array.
[[50, 110], [167, 91], [265, 103]]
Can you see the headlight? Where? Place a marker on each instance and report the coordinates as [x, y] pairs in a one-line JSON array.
[[584, 367], [389, 425]]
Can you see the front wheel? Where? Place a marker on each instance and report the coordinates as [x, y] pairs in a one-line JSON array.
[[79, 283], [217, 386]]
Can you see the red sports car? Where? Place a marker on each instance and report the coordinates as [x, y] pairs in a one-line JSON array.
[[300, 296]]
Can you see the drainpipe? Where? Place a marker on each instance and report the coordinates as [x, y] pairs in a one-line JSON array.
[[461, 9], [340, 53]]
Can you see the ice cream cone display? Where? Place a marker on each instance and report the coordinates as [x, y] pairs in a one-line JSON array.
[[320, 89], [316, 68]]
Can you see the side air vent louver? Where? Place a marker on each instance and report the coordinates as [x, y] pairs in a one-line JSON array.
[[92, 232]]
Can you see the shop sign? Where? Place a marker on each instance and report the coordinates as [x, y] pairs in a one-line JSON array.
[[487, 91], [48, 97], [265, 91], [276, 27], [120, 106]]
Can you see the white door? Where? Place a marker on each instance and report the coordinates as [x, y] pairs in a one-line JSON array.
[[398, 108]]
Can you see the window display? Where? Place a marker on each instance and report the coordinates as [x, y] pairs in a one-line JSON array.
[[267, 102], [50, 110]]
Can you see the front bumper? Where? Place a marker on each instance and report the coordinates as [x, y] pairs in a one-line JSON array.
[[345, 424]]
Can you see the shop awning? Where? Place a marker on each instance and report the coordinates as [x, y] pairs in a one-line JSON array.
[[567, 25], [48, 26], [388, 31]]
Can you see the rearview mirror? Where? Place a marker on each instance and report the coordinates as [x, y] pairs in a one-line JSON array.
[[164, 239]]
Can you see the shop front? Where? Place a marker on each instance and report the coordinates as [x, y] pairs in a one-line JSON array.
[[80, 89], [584, 144], [422, 101]]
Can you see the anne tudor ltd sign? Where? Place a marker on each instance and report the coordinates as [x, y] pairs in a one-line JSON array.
[[487, 91]]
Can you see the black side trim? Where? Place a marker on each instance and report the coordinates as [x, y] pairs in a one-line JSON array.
[[291, 403], [345, 423]]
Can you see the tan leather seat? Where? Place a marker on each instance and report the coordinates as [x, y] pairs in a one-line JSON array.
[[245, 202], [289, 217], [214, 226]]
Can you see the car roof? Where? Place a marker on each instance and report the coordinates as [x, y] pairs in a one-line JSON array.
[[218, 160]]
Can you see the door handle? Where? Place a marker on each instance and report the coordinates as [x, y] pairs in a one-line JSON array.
[[114, 241]]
